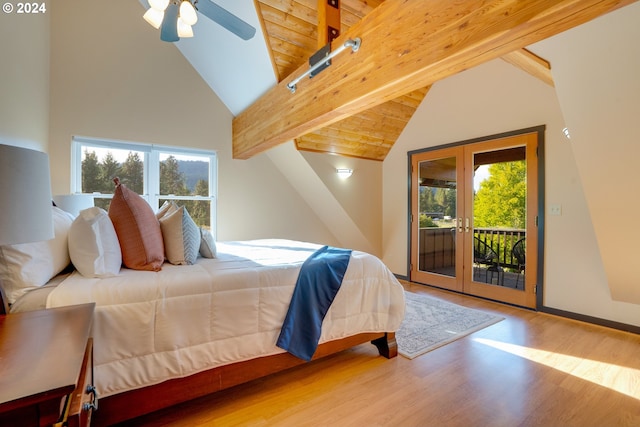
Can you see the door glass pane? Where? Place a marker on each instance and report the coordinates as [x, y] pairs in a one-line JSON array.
[[437, 216], [499, 217]]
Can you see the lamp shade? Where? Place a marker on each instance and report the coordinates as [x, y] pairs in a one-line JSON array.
[[184, 29], [154, 17], [188, 13], [73, 203], [160, 5], [25, 196]]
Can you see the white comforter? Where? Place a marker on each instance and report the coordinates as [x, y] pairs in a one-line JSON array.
[[152, 326]]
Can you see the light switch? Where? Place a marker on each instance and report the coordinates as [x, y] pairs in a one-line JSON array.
[[555, 210]]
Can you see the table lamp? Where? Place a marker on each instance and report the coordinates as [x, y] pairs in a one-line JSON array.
[[25, 197], [73, 203]]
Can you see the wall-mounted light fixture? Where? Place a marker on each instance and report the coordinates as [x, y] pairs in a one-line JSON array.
[[344, 173], [565, 131]]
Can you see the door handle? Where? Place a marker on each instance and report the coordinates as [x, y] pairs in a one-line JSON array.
[[459, 225], [466, 225]]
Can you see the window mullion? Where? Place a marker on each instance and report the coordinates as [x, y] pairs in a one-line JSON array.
[[152, 170], [76, 167]]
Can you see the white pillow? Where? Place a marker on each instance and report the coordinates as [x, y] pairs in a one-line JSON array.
[[207, 244], [93, 244], [27, 266], [181, 237]]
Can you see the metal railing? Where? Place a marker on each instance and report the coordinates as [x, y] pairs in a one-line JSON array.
[[501, 241], [436, 246]]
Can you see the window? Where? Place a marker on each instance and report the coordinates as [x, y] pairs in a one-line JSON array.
[[157, 173]]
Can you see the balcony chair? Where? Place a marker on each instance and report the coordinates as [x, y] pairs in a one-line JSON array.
[[518, 252], [484, 254]]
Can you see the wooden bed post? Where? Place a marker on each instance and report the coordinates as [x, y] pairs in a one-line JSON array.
[[387, 345]]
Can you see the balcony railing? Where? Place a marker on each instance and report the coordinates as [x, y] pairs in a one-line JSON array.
[[501, 241], [436, 247]]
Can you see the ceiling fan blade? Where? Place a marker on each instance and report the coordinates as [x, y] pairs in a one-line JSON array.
[[169, 27], [226, 19]]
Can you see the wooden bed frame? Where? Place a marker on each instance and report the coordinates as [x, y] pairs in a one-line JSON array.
[[134, 403]]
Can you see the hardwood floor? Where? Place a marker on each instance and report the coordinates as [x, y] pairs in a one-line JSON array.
[[531, 369]]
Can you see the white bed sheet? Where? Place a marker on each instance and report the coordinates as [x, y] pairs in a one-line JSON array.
[[153, 326]]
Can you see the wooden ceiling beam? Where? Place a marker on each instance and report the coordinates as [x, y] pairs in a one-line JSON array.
[[329, 27], [406, 45], [530, 63]]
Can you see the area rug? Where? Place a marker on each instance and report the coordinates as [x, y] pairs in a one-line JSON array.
[[430, 323]]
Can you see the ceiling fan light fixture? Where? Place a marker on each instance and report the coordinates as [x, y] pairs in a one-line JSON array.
[[184, 29], [154, 17], [188, 13], [175, 18], [159, 5]]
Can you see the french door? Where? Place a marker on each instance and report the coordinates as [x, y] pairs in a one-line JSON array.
[[474, 218]]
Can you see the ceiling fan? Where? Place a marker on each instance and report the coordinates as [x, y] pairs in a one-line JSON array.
[[174, 18]]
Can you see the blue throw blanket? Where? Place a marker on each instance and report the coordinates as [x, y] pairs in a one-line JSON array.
[[318, 282]]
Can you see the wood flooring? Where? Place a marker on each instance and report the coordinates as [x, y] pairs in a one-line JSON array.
[[531, 369]]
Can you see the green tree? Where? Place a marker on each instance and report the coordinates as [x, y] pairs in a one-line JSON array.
[[132, 173], [109, 169], [439, 198], [426, 221], [201, 209], [90, 172], [450, 202], [501, 198], [426, 201], [172, 181]]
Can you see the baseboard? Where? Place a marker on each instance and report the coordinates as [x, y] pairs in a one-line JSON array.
[[590, 319]]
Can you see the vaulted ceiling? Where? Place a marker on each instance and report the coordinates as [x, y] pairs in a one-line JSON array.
[[291, 28], [362, 103]]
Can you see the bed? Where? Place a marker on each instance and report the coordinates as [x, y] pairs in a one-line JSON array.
[[185, 331], [189, 316]]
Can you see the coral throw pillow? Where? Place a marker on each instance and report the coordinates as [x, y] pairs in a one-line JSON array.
[[138, 230]]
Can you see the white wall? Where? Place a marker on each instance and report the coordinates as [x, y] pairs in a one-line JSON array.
[[596, 68], [24, 80], [111, 77], [360, 195], [490, 99]]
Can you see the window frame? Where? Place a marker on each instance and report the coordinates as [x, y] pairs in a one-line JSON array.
[[151, 170]]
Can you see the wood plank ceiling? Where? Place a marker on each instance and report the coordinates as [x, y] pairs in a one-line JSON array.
[[291, 28]]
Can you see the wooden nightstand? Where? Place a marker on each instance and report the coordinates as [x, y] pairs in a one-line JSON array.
[[46, 367]]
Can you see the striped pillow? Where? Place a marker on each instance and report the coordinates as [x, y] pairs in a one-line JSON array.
[[181, 237]]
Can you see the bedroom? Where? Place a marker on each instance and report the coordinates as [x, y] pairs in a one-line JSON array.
[[90, 84]]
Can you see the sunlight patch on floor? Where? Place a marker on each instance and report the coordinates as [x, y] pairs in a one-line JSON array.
[[618, 378]]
